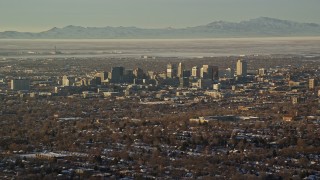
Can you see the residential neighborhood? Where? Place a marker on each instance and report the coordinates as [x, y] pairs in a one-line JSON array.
[[248, 117]]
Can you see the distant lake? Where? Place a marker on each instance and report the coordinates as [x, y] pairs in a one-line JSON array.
[[159, 47]]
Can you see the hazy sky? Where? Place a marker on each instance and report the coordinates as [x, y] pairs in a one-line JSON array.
[[40, 15]]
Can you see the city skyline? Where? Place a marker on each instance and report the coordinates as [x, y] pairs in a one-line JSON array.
[[36, 15]]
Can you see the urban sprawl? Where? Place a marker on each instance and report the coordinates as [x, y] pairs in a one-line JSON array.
[[246, 117]]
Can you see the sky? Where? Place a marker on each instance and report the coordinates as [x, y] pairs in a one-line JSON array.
[[41, 15]]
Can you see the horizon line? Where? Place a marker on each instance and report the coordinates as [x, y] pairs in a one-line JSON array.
[[140, 27]]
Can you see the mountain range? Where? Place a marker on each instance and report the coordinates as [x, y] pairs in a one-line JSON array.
[[259, 27]]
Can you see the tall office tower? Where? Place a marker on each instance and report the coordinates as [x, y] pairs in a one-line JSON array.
[[117, 74], [195, 71], [68, 81], [205, 83], [262, 72], [312, 83], [103, 75], [241, 68], [20, 84], [171, 71], [128, 76], [138, 73], [209, 72], [204, 71], [83, 82], [184, 82], [180, 70], [65, 81], [186, 73], [151, 74], [215, 73], [229, 73], [95, 81]]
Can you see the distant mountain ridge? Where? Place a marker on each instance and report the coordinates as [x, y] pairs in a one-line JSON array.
[[259, 27]]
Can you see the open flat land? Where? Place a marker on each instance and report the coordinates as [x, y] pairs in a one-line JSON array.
[[162, 47]]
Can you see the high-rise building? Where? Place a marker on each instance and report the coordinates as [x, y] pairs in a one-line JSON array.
[[186, 73], [138, 73], [128, 76], [205, 83], [180, 70], [229, 73], [20, 84], [95, 81], [184, 82], [117, 74], [151, 75], [171, 71], [82, 82], [65, 81], [195, 71], [241, 68], [103, 75], [68, 81], [215, 73], [209, 72], [205, 72]]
